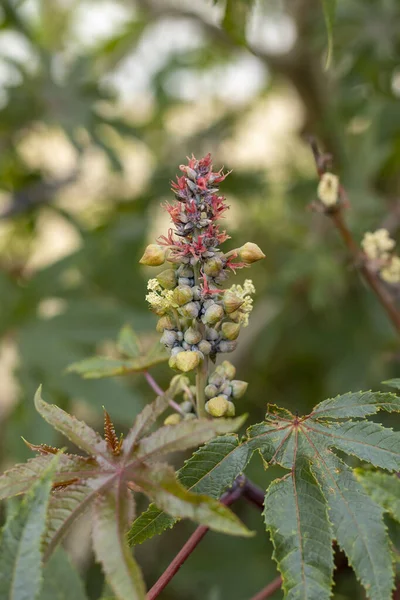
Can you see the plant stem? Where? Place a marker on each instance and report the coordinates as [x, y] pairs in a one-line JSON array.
[[270, 589], [201, 382], [336, 216], [156, 388], [253, 494], [228, 498]]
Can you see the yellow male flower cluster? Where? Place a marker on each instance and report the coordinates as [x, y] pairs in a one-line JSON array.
[[378, 246], [160, 300], [243, 292]]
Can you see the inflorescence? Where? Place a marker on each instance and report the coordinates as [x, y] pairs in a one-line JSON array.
[[198, 318]]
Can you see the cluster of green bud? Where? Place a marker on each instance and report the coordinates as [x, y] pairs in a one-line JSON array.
[[222, 389], [379, 247]]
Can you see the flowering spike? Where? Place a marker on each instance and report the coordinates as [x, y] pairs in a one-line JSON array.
[[198, 317]]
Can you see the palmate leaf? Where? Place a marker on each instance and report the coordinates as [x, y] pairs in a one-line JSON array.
[[383, 488], [57, 573], [104, 480], [160, 484], [21, 542], [134, 361], [321, 499], [210, 470]]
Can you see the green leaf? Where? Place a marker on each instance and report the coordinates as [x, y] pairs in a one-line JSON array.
[[393, 383], [210, 470], [359, 404], [357, 524], [77, 431], [235, 19], [128, 342], [20, 478], [159, 482], [102, 366], [145, 419], [61, 580], [21, 542], [110, 522], [384, 489], [187, 434], [329, 8], [296, 516]]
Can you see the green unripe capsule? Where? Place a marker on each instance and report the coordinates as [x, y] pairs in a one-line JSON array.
[[227, 346], [231, 301], [187, 361], [153, 256], [165, 323], [217, 406], [204, 347], [230, 331], [167, 279], [192, 336], [213, 314], [182, 294], [230, 370], [213, 267], [238, 388], [210, 390], [231, 409], [189, 310]]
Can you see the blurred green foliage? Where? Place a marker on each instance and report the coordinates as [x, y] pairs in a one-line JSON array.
[[99, 104]]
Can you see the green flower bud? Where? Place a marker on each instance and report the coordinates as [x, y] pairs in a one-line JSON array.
[[204, 347], [187, 361], [226, 389], [173, 419], [213, 267], [168, 338], [165, 323], [230, 370], [192, 336], [250, 253], [231, 301], [153, 256], [216, 379], [217, 406], [172, 361], [230, 331], [211, 334], [182, 294], [227, 346], [231, 409], [189, 417], [238, 388], [189, 310], [186, 406], [167, 279], [210, 390], [213, 314], [185, 271]]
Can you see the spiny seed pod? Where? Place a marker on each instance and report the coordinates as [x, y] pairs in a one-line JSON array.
[[250, 253], [231, 301], [168, 338], [187, 361], [173, 419], [204, 347], [229, 368], [165, 323], [189, 310], [231, 409], [210, 390], [230, 331], [213, 267], [153, 256], [238, 388], [192, 336], [182, 295], [167, 279], [227, 346], [217, 406], [213, 314]]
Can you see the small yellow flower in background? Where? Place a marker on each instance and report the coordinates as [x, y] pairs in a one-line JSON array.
[[328, 189], [391, 273], [377, 245]]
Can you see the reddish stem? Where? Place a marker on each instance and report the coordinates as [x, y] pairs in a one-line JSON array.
[[254, 494], [336, 216], [228, 498], [270, 589], [156, 388]]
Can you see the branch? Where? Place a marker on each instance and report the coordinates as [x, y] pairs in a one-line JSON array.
[[337, 218], [156, 388], [253, 494], [228, 498], [270, 589]]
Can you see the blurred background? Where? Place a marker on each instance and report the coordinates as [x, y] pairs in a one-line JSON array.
[[100, 101]]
